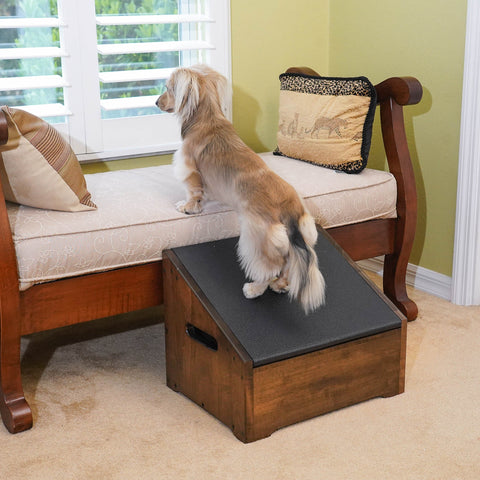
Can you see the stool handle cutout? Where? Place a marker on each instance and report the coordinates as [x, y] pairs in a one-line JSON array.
[[202, 337]]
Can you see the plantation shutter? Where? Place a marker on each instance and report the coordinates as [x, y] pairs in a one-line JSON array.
[[30, 53], [138, 48], [110, 62]]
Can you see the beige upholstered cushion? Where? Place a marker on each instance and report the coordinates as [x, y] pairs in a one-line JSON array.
[[38, 168], [136, 217], [326, 121]]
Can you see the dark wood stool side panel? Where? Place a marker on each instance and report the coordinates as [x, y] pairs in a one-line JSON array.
[[303, 387], [403, 358], [216, 379]]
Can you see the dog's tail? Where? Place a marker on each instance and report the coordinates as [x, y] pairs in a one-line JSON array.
[[306, 283]]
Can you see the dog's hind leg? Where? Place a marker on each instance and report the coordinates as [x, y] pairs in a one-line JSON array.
[[261, 252], [254, 289], [280, 283]]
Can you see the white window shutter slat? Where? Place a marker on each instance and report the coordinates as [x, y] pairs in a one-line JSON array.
[[41, 81], [151, 19], [30, 52], [151, 47], [135, 75]]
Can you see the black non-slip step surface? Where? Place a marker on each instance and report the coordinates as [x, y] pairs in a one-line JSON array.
[[270, 327]]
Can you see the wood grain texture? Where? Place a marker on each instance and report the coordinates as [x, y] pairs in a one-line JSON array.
[[14, 409], [217, 380], [304, 387], [395, 266], [3, 129], [367, 239], [88, 297]]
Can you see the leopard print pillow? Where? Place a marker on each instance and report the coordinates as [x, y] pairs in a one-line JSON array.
[[326, 120]]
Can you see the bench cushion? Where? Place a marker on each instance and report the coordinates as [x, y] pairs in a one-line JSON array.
[[136, 217]]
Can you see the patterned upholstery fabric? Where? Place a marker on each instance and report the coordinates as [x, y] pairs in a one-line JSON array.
[[38, 168], [136, 217]]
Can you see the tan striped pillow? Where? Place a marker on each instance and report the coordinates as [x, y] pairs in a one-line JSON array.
[[38, 168]]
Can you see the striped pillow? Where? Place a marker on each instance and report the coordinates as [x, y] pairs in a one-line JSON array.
[[38, 167]]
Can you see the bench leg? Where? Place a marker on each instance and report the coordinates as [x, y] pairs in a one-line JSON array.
[[394, 285], [15, 411]]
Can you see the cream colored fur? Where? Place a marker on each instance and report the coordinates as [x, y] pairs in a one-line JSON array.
[[277, 234]]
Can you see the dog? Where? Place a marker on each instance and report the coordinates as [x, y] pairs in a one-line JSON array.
[[277, 234]]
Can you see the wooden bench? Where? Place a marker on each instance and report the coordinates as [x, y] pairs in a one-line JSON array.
[[58, 303]]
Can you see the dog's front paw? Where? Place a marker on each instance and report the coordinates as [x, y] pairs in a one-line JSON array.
[[190, 207], [180, 206]]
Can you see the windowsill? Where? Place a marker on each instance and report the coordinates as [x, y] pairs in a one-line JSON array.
[[126, 163], [123, 154]]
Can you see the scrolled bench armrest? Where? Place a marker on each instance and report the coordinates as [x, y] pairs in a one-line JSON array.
[[404, 90], [302, 71], [3, 129], [8, 263]]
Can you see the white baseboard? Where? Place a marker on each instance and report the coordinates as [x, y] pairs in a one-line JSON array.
[[418, 277]]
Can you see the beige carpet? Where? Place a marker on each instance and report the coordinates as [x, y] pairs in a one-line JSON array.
[[102, 411]]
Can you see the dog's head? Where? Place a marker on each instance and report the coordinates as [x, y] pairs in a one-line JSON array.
[[187, 88]]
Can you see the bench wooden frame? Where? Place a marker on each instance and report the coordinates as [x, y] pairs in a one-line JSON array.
[[57, 303]]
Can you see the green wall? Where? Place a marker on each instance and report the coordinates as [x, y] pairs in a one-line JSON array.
[[268, 36], [376, 39], [425, 40]]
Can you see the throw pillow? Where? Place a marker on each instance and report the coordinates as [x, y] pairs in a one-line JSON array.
[[326, 120], [38, 168]]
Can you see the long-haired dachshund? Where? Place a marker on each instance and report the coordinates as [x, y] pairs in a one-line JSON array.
[[276, 231]]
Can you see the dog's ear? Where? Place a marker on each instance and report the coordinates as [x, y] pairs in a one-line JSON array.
[[186, 92], [223, 90], [220, 83]]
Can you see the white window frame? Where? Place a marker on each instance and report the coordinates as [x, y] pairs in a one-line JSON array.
[[93, 138]]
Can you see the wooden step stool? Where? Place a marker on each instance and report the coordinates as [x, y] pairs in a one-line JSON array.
[[259, 365]]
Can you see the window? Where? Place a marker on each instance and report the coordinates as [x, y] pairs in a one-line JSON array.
[[95, 68]]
